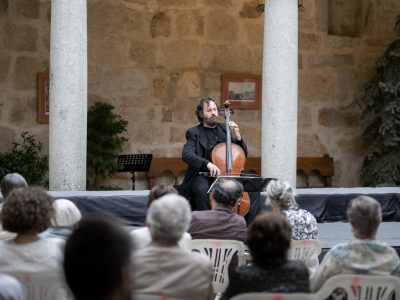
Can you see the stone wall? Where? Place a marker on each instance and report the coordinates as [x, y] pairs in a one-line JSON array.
[[153, 59]]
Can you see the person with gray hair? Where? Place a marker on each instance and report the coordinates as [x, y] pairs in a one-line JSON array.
[[163, 268], [303, 223], [363, 255], [12, 181]]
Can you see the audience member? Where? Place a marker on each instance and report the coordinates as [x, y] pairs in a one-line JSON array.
[[220, 222], [12, 181], [97, 260], [27, 212], [10, 288], [142, 236], [163, 268], [9, 182], [269, 239], [65, 219], [303, 223], [363, 255]]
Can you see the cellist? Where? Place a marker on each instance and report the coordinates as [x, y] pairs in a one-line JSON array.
[[200, 140]]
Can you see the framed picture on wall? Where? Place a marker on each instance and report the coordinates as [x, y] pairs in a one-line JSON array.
[[43, 98], [242, 91]]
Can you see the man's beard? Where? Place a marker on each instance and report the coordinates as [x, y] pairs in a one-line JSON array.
[[212, 122]]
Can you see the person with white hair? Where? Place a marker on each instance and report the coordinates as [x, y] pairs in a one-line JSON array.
[[163, 268], [65, 219], [303, 223], [363, 255]]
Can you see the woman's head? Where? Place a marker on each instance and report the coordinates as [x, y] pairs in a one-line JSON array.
[[12, 181], [160, 190], [66, 214], [27, 210], [280, 194], [364, 215], [268, 238]]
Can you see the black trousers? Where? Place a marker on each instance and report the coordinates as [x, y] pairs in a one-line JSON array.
[[200, 199]]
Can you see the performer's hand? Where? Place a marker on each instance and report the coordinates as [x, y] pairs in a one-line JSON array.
[[235, 130], [214, 171]]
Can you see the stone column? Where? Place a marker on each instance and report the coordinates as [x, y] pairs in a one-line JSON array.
[[279, 95], [68, 95]]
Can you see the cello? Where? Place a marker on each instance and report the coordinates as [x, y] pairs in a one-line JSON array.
[[230, 158]]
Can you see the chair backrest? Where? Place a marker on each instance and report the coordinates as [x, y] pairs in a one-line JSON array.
[[275, 296], [220, 253], [304, 249], [43, 286], [369, 287]]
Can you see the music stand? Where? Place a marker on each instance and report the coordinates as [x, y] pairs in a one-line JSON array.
[[250, 183], [134, 163]]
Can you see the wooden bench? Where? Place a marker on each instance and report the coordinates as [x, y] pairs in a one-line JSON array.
[[174, 166]]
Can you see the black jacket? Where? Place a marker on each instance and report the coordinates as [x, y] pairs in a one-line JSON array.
[[195, 153]]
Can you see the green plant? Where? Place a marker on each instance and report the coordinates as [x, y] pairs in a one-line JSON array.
[[25, 159], [103, 142], [380, 105]]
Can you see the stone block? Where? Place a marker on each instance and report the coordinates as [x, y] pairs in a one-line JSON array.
[[7, 138], [329, 117], [181, 54], [310, 145], [106, 19], [221, 3], [255, 33], [166, 114], [347, 84], [160, 25], [177, 134], [120, 80], [5, 65], [110, 51], [3, 7], [304, 117], [248, 10], [175, 3], [159, 87], [340, 42], [25, 73], [188, 85], [316, 88], [334, 60], [257, 53], [227, 58], [212, 81], [28, 8], [20, 37], [183, 111], [220, 26], [207, 56], [189, 23], [23, 111], [143, 53], [308, 41]]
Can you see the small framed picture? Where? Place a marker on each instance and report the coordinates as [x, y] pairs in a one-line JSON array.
[[242, 91], [43, 98]]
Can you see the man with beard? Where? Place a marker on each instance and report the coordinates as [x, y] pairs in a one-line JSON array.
[[200, 140]]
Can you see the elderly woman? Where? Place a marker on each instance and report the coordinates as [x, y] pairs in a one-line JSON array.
[[364, 255], [27, 212], [304, 225], [65, 219], [269, 239], [12, 181]]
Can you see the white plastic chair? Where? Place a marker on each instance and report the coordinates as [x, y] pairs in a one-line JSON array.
[[275, 296], [304, 249], [360, 287], [43, 286], [221, 253]]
